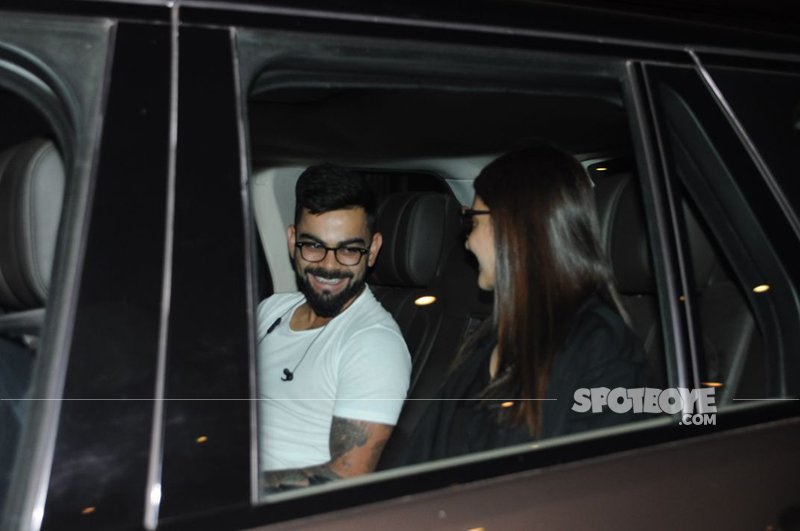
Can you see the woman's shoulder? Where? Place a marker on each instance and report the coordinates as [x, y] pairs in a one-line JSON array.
[[599, 330], [600, 351]]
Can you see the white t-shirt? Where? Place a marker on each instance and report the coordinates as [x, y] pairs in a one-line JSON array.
[[358, 367]]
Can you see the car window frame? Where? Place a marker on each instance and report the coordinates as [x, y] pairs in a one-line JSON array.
[[465, 467], [69, 97]]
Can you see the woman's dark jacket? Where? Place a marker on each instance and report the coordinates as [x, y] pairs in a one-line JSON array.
[[600, 351]]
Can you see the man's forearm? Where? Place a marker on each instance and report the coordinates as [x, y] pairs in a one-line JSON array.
[[355, 448], [298, 477]]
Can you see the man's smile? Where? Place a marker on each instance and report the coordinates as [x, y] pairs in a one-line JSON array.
[[328, 282]]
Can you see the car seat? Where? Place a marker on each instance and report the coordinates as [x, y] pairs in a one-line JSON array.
[[728, 335], [623, 234], [418, 229], [424, 255]]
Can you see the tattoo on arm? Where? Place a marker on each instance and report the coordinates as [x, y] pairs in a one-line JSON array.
[[278, 480], [355, 447], [346, 435]]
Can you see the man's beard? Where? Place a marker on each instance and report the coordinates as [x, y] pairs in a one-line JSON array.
[[326, 304]]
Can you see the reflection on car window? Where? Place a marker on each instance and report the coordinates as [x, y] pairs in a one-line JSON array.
[[32, 181], [730, 345], [739, 293]]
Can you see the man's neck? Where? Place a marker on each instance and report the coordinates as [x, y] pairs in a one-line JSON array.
[[305, 318]]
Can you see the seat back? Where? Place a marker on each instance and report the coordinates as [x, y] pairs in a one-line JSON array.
[[425, 235], [623, 233], [418, 230], [31, 195]]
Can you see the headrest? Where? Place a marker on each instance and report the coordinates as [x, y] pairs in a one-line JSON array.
[[418, 229], [31, 195], [623, 232]]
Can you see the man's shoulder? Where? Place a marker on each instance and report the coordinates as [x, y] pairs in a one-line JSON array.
[[277, 303], [373, 342], [369, 314]]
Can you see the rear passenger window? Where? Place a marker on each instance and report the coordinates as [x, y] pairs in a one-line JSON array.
[[424, 137]]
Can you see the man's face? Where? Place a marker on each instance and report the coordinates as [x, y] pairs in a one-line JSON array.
[[328, 285]]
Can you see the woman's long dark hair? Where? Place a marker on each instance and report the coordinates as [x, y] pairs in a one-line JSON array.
[[549, 261]]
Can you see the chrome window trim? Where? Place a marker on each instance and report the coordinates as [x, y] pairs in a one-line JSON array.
[[152, 494]]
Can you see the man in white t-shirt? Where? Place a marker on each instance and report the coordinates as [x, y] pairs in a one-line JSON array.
[[333, 368]]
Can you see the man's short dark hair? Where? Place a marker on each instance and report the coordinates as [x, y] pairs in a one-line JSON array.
[[327, 187]]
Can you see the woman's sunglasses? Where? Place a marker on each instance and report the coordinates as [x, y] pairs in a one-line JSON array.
[[468, 218]]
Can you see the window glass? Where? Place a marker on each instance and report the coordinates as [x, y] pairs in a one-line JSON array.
[[32, 183], [731, 357], [353, 103], [768, 106], [738, 289], [51, 72]]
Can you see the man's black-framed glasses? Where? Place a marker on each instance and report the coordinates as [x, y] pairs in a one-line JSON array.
[[468, 218], [347, 255]]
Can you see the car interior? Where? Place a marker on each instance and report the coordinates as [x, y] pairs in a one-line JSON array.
[[424, 276]]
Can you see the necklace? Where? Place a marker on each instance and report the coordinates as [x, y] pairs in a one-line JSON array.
[[288, 375]]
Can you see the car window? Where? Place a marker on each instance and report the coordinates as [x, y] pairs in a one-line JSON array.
[[450, 120], [49, 90]]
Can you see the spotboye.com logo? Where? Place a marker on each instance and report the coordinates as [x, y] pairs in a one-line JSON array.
[[697, 405]]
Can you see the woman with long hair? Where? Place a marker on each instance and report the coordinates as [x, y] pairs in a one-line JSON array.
[[557, 324]]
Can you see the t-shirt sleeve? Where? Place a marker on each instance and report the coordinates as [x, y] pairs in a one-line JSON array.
[[373, 376], [270, 309], [262, 313]]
